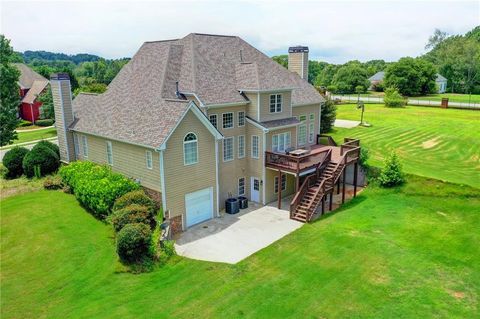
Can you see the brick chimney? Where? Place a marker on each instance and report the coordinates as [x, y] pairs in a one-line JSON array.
[[62, 103], [298, 61]]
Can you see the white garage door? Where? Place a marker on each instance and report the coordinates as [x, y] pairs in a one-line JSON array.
[[199, 206]]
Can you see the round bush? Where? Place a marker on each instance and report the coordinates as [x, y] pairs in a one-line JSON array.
[[50, 145], [133, 243], [41, 156], [13, 161], [46, 122], [132, 214], [135, 197]]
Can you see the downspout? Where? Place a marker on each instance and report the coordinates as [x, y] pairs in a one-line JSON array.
[[162, 180], [216, 178]]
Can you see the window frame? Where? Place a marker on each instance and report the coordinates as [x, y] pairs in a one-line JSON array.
[[277, 103], [303, 116], [298, 135], [238, 186], [216, 119], [278, 138], [223, 120], [241, 117], [311, 117], [283, 184], [311, 132], [257, 147], [76, 145], [230, 138], [147, 152], [185, 142], [241, 137], [84, 146], [109, 153]]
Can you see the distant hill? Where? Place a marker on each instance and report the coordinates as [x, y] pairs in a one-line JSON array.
[[29, 56]]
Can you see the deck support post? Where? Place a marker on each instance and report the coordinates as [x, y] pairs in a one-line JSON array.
[[279, 189], [338, 186], [297, 182], [323, 204], [343, 188], [355, 173], [331, 201]]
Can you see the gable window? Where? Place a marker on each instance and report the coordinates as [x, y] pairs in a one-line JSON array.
[[302, 134], [311, 132], [281, 142], [190, 149], [148, 158], [241, 146], [241, 118], [275, 103], [109, 153], [213, 119], [241, 186], [283, 183], [227, 120], [227, 149], [254, 146], [84, 146]]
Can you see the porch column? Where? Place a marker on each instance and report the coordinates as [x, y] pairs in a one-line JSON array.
[[279, 189], [355, 179], [297, 183], [343, 182]]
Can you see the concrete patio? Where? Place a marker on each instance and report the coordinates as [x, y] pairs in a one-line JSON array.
[[231, 238]]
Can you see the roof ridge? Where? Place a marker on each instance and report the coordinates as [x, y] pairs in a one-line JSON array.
[[215, 35], [156, 41], [88, 93], [194, 89]]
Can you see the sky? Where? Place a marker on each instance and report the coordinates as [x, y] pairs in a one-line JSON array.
[[335, 31]]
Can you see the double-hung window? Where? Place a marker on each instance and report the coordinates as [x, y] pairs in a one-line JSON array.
[[311, 132], [227, 149], [241, 118], [109, 153], [149, 159], [84, 146], [213, 119], [302, 134], [241, 186], [275, 103], [254, 146], [190, 149], [76, 146], [281, 142], [241, 146], [283, 183], [227, 120]]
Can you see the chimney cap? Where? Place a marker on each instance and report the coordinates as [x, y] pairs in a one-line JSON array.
[[59, 76], [298, 49]]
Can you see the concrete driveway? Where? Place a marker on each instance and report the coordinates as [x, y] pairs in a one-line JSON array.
[[231, 238]]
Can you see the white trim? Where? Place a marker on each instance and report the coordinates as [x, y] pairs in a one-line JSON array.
[[238, 118], [284, 126], [258, 146], [264, 147], [109, 145], [216, 119], [298, 134], [276, 95], [196, 148], [258, 106], [151, 159], [84, 146], [233, 148], [268, 90], [307, 104], [216, 179], [233, 121], [220, 105], [238, 146], [112, 139], [264, 129], [303, 65], [195, 96], [63, 119], [244, 186], [162, 183]]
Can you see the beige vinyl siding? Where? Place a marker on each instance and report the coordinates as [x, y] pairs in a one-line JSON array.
[[298, 62], [265, 114], [182, 179], [307, 110], [255, 167], [252, 107], [128, 159], [270, 195], [61, 96]]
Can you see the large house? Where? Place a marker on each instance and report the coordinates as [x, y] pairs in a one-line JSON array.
[[198, 120], [31, 85], [440, 81]]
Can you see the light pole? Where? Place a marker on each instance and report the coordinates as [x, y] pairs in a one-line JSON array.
[[361, 105]]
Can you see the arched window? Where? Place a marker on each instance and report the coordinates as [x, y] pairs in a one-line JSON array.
[[190, 149]]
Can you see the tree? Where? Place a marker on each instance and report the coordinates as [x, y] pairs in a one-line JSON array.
[[393, 98], [281, 59], [46, 98], [437, 37], [325, 77], [411, 76], [328, 116], [391, 174], [350, 76], [9, 93]]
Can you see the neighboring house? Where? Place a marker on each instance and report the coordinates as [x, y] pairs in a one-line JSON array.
[[191, 120], [31, 85], [440, 81]]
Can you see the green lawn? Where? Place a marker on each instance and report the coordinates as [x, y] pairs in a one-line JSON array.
[[401, 253], [28, 136], [432, 142], [453, 97]]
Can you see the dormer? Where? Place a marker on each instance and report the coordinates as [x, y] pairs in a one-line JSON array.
[[270, 105]]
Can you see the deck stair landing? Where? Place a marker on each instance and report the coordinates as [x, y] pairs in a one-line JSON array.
[[321, 183]]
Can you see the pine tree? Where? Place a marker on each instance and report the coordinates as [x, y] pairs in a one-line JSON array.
[[9, 93], [392, 174]]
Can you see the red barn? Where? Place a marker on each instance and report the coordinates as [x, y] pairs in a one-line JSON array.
[[31, 85]]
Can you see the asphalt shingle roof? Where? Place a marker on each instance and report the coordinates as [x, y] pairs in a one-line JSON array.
[[27, 76]]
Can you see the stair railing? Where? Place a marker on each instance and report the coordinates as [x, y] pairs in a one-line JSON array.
[[299, 196], [316, 197]]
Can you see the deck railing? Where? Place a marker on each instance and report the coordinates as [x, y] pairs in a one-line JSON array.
[[295, 164], [325, 140]]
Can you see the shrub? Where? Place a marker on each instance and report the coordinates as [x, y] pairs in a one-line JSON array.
[[13, 161], [327, 116], [132, 214], [24, 123], [393, 98], [363, 158], [391, 174], [50, 145], [332, 89], [42, 157], [134, 243], [46, 122], [95, 186], [136, 197], [52, 182]]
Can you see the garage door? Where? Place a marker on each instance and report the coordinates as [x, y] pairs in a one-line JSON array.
[[199, 206]]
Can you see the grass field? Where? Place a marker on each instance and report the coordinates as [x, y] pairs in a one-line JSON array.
[[400, 253], [27, 136], [432, 142], [452, 97]]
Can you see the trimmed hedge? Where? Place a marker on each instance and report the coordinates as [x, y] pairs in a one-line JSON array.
[[136, 197], [24, 123], [133, 243], [132, 214], [46, 122], [50, 145], [43, 157], [13, 161], [96, 187]]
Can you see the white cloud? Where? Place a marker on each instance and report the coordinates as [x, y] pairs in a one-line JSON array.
[[334, 31]]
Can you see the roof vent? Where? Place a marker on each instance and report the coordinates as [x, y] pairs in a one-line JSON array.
[[177, 92]]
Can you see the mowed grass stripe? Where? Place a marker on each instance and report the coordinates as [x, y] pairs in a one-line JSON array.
[[431, 142]]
